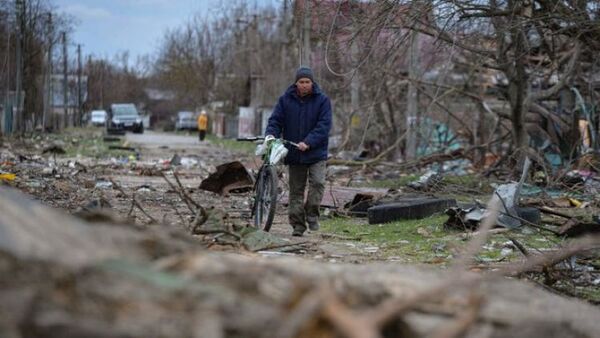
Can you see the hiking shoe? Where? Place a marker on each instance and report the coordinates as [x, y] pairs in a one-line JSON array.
[[297, 233]]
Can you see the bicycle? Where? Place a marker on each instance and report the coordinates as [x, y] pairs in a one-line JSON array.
[[265, 186]]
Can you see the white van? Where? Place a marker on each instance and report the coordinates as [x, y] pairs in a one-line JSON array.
[[98, 117]]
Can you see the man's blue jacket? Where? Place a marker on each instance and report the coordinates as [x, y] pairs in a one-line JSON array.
[[307, 120]]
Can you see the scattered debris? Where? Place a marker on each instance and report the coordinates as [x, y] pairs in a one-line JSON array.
[[103, 185], [258, 240], [55, 148], [122, 148], [507, 195], [111, 139], [575, 228], [48, 171], [469, 218], [360, 204], [145, 188], [426, 181], [371, 249], [173, 253], [98, 210], [189, 162], [336, 197], [7, 177], [176, 160], [464, 218]]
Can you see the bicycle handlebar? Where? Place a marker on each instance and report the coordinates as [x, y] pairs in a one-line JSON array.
[[250, 139], [261, 138]]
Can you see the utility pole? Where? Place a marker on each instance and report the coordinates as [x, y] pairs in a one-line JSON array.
[[412, 98], [20, 9], [48, 82], [7, 91], [79, 113], [305, 59], [283, 31], [254, 80], [101, 84], [65, 80]]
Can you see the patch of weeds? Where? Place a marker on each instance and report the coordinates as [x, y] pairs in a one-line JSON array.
[[415, 241], [426, 240], [233, 145]]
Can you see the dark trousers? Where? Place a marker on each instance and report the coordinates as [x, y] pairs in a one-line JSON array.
[[201, 134], [300, 211]]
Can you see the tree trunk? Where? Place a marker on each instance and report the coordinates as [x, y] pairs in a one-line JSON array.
[[518, 83]]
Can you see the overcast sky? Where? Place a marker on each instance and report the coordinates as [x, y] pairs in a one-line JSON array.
[[105, 27]]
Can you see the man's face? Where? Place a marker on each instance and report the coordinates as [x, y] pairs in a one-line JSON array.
[[304, 86]]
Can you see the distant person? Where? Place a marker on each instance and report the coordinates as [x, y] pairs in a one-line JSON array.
[[303, 115], [202, 125]]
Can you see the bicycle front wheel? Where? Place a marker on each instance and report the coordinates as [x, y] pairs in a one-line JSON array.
[[265, 201]]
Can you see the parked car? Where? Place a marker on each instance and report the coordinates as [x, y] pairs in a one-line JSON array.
[[186, 120], [124, 116], [98, 117]]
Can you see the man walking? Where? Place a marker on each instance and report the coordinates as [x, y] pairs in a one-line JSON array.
[[303, 115], [202, 125]]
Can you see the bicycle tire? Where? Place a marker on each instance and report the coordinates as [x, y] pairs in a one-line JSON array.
[[265, 200]]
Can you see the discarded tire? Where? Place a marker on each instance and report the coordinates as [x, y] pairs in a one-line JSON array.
[[531, 215], [408, 209]]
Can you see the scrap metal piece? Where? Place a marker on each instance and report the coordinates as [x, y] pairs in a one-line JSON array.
[[229, 177], [508, 196], [360, 204], [464, 218]]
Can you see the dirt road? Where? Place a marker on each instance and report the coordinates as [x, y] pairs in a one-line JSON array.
[[158, 145]]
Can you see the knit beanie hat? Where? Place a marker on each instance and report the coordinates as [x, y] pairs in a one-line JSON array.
[[304, 72]]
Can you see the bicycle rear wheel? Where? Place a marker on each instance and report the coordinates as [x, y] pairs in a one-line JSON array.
[[265, 200]]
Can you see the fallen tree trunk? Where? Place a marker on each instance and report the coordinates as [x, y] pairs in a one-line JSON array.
[[127, 282]]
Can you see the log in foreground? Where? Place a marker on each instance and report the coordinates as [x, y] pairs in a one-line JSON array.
[[63, 277]]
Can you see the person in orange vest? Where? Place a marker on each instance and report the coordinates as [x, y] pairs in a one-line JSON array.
[[202, 125]]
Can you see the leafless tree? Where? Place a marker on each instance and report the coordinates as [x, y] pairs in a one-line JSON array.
[[40, 27]]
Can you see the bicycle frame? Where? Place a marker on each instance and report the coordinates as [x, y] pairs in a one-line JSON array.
[[265, 187]]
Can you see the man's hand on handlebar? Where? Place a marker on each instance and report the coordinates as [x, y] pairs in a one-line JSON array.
[[303, 146]]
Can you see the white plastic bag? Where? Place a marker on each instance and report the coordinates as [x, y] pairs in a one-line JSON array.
[[278, 152], [261, 149]]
